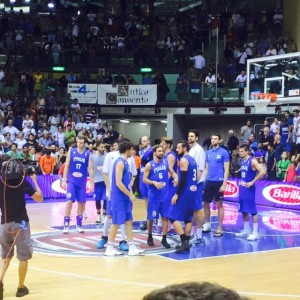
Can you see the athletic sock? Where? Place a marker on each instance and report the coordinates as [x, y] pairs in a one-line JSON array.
[[79, 220], [255, 228], [182, 237], [67, 221], [194, 229], [106, 226], [123, 233], [199, 233], [246, 226]]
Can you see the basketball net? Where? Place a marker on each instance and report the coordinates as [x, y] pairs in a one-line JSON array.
[[262, 100]]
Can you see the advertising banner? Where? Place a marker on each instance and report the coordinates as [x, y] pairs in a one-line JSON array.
[[85, 93], [122, 94], [51, 187], [269, 193]]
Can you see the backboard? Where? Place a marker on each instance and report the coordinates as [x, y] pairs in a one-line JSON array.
[[278, 75]]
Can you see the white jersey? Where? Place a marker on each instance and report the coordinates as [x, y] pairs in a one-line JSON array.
[[109, 162], [198, 153]]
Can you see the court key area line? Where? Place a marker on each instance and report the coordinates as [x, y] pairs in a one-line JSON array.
[[145, 284]]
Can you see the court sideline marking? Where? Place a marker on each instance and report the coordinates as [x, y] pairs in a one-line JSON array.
[[142, 283]]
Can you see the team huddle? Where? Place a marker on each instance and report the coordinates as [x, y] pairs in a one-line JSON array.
[[177, 188]]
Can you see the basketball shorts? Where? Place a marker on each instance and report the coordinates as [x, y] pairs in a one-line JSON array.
[[156, 209], [211, 191], [121, 216], [100, 191], [76, 193]]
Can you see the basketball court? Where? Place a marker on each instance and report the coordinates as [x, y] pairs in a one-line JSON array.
[[70, 267]]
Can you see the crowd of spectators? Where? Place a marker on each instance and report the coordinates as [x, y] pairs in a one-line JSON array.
[[276, 147]]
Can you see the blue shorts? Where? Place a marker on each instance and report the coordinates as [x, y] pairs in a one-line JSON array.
[[100, 191], [157, 208], [198, 200], [211, 191], [247, 200], [183, 210], [143, 189], [121, 216], [76, 193]]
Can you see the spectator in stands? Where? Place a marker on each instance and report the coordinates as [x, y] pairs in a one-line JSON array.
[[71, 77], [241, 60], [233, 142], [28, 129], [241, 81], [282, 166], [89, 115], [20, 141], [252, 143], [119, 79], [113, 133], [147, 78], [266, 138], [47, 163], [14, 153], [162, 87], [69, 135], [45, 141], [54, 121], [181, 87], [69, 121], [271, 51], [210, 84], [274, 126], [82, 125], [199, 63], [75, 104], [246, 131], [84, 77], [31, 141], [12, 130], [271, 162], [260, 152]]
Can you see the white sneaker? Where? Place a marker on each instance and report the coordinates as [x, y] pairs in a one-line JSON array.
[[79, 229], [84, 215], [253, 237], [102, 219], [112, 252], [206, 228], [134, 250], [243, 233], [66, 229]]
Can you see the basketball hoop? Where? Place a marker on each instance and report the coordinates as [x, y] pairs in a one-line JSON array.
[[262, 100]]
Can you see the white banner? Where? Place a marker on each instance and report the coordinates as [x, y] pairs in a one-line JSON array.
[[85, 93], [145, 94]]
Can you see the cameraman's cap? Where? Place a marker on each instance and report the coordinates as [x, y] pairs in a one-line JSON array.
[[296, 111]]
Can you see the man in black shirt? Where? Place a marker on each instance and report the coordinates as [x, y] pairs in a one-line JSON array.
[[15, 229]]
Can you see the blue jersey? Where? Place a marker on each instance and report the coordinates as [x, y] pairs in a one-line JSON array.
[[146, 156], [215, 159], [118, 198], [172, 189], [191, 180], [158, 172], [247, 173], [78, 168], [284, 132]]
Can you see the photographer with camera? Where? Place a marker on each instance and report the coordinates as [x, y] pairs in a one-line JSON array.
[[15, 228]]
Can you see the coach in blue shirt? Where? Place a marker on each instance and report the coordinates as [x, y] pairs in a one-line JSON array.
[[216, 174]]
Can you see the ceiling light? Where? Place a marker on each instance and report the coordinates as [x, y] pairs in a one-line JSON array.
[[125, 121], [164, 121], [51, 5], [143, 124]]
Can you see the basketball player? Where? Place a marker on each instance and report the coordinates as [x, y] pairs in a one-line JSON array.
[[183, 202], [198, 153], [156, 177], [216, 174], [172, 159], [109, 161], [78, 165], [251, 171], [100, 189], [121, 202], [146, 155]]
